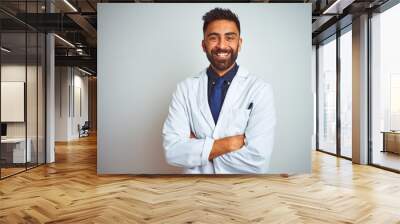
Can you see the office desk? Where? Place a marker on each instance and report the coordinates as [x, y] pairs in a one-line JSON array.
[[13, 150], [391, 141]]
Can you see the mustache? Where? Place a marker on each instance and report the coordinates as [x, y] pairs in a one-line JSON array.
[[219, 50]]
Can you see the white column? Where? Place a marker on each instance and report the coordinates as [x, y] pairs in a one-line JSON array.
[[50, 110], [50, 92]]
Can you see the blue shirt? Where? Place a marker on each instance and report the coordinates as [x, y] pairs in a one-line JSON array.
[[227, 77]]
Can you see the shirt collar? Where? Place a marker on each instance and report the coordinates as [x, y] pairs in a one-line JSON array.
[[228, 76]]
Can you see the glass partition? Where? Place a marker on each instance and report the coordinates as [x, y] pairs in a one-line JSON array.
[[32, 95], [13, 94], [327, 96], [385, 89], [22, 78], [346, 93], [33, 73]]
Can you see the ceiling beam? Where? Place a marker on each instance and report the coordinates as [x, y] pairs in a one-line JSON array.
[[83, 61]]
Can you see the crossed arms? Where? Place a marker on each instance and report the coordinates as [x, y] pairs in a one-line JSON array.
[[246, 153], [224, 145]]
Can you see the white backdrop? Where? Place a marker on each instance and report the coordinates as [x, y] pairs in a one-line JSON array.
[[144, 50]]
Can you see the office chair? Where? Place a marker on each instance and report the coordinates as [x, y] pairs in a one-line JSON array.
[[84, 130]]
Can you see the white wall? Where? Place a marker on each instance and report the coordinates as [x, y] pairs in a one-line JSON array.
[[144, 50], [79, 117], [68, 82], [62, 80], [15, 73]]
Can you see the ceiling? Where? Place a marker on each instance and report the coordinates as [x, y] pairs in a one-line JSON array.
[[76, 22]]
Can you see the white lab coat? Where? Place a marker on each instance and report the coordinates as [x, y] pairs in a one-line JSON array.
[[190, 111]]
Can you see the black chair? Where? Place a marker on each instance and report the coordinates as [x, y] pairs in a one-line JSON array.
[[84, 130]]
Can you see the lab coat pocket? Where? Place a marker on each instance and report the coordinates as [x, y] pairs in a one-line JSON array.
[[239, 120]]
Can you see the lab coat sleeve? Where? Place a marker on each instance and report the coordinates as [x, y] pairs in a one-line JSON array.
[[179, 149], [255, 155]]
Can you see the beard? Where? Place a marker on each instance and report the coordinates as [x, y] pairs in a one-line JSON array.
[[223, 63]]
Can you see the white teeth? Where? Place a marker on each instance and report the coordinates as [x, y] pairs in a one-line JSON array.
[[222, 54]]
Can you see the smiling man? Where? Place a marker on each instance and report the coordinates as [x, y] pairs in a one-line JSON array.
[[222, 119]]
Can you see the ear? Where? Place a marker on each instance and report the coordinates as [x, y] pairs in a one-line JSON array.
[[203, 45], [240, 44]]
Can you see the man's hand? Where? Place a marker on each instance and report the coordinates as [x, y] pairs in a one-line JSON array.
[[225, 145]]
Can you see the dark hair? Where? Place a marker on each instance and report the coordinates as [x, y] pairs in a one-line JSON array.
[[220, 14]]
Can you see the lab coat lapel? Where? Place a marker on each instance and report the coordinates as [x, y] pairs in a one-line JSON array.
[[203, 100], [234, 91]]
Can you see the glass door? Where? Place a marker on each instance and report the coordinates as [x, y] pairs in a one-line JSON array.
[[13, 103]]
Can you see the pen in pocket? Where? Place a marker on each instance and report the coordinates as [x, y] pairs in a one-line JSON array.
[[250, 106]]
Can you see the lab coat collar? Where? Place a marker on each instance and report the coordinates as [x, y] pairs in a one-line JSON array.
[[230, 97], [242, 72]]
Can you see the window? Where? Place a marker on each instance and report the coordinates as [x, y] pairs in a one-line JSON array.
[[385, 88], [327, 96], [346, 93]]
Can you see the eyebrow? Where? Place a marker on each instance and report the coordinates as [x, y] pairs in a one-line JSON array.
[[210, 34], [226, 34], [231, 34]]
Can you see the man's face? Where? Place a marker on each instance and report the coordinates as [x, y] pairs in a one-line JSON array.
[[221, 44]]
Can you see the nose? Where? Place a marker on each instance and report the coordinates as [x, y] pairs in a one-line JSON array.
[[222, 44]]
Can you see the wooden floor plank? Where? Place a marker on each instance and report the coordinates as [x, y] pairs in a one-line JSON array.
[[70, 191]]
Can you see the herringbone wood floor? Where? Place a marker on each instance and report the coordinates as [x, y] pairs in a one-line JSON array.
[[69, 191]]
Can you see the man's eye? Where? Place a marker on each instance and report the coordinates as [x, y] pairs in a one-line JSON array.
[[230, 38], [212, 38]]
